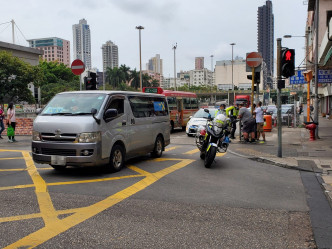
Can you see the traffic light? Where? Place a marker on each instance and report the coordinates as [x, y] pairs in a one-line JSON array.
[[257, 79], [287, 62], [91, 81]]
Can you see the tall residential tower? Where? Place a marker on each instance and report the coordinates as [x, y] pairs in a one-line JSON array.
[[110, 55], [82, 42], [265, 41]]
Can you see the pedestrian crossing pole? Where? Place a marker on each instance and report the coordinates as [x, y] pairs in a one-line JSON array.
[[252, 89], [279, 122]]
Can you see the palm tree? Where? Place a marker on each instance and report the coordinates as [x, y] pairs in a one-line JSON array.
[[146, 80], [135, 80], [126, 72], [115, 76]]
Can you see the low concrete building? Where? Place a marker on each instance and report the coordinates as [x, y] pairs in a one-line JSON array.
[[29, 55]]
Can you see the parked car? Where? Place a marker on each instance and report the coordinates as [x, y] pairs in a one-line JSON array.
[[287, 112], [270, 109], [198, 119]]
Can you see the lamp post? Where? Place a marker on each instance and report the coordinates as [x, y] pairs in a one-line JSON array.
[[232, 44], [140, 56], [211, 71], [174, 48]]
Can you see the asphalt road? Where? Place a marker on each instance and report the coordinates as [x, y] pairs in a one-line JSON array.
[[172, 202]]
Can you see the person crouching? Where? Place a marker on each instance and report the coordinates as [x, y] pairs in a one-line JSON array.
[[248, 122]]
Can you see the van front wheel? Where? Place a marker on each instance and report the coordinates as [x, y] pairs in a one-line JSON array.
[[158, 147], [117, 158]]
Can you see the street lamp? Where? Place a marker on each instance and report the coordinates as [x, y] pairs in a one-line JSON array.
[[290, 36], [174, 48], [232, 44], [140, 56], [211, 72]]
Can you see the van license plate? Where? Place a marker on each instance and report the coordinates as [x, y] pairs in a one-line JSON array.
[[58, 160]]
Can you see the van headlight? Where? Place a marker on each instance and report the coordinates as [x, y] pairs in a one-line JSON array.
[[36, 136], [89, 137]]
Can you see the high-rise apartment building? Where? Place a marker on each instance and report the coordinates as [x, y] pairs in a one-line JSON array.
[[55, 49], [199, 63], [82, 42], [155, 65], [110, 55], [265, 40]]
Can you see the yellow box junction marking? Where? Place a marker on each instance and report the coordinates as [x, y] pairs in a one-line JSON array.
[[53, 225]]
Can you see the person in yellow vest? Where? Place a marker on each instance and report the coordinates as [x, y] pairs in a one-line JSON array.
[[220, 110], [232, 112]]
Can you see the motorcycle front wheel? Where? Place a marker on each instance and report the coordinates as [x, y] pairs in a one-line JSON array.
[[209, 157]]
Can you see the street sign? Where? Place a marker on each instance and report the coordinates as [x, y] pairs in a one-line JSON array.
[[254, 59], [325, 76], [297, 78], [77, 67]]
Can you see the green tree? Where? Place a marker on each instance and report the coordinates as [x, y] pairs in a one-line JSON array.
[[155, 83], [146, 80], [15, 76], [126, 72], [135, 79], [115, 76], [57, 77]]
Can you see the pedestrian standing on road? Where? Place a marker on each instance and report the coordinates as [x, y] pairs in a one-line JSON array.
[[2, 127], [11, 117], [260, 121], [248, 123], [232, 113]]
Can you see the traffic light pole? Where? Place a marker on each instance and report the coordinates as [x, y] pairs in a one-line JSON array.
[[252, 89], [279, 121], [316, 68]]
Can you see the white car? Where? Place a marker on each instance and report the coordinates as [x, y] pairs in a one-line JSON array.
[[198, 119]]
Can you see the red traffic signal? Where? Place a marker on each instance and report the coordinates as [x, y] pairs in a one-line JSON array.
[[287, 62]]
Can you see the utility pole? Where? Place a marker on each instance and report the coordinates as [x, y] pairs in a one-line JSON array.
[[140, 56], [279, 122], [316, 68], [174, 48], [13, 30]]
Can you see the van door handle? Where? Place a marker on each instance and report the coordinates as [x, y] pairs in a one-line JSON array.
[[124, 122], [132, 121]]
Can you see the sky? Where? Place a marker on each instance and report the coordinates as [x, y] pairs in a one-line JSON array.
[[199, 28]]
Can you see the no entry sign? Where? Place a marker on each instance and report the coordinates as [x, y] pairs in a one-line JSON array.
[[77, 67], [254, 59]]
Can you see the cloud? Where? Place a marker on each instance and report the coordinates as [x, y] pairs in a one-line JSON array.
[[156, 10]]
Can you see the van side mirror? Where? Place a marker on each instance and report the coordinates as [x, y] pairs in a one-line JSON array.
[[110, 114], [39, 110], [94, 111]]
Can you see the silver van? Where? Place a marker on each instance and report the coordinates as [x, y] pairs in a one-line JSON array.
[[89, 128]]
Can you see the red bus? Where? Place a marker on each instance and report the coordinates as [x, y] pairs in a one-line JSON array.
[[181, 105], [245, 99]]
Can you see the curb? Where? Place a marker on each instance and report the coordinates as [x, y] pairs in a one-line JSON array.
[[272, 162]]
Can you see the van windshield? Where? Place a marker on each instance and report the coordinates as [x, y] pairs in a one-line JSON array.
[[74, 104]]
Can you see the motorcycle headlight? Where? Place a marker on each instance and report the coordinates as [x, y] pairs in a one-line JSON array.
[[89, 137], [36, 136]]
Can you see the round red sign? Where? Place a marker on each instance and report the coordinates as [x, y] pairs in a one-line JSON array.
[[77, 67], [254, 59]]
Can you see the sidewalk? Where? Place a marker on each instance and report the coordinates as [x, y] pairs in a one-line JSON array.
[[297, 151]]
